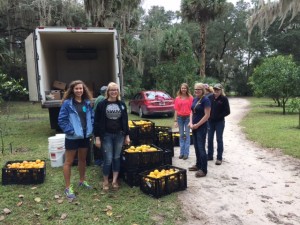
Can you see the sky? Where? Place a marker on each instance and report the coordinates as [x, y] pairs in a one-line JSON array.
[[172, 5]]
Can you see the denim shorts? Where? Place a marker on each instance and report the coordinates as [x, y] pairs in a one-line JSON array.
[[71, 144]]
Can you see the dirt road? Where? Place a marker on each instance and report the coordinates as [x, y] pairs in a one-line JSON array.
[[252, 186]]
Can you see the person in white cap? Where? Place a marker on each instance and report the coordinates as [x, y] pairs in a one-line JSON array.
[[219, 110]]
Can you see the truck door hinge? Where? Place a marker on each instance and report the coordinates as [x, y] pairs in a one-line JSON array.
[[39, 77], [37, 56]]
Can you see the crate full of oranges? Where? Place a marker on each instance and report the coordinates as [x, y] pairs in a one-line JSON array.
[[142, 157], [163, 180], [24, 172]]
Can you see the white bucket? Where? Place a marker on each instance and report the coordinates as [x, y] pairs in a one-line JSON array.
[[61, 136], [57, 158], [56, 143]]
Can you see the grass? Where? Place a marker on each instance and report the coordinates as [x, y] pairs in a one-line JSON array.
[[25, 127], [267, 125]]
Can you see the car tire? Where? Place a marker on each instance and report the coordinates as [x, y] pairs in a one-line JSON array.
[[130, 109], [141, 113], [170, 114]]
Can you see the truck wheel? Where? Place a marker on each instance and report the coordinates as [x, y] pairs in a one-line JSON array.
[[141, 113]]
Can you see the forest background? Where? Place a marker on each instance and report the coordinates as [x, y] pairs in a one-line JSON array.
[[160, 49]]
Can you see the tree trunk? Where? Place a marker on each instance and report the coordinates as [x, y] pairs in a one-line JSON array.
[[202, 48]]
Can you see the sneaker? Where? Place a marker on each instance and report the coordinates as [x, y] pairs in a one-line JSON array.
[[185, 157], [218, 162], [180, 157], [85, 184], [200, 173], [70, 193], [193, 168]]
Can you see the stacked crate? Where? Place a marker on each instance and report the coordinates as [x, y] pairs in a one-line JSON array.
[[137, 159], [141, 132], [164, 140], [176, 136]]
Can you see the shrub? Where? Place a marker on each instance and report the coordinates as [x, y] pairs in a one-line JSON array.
[[11, 89]]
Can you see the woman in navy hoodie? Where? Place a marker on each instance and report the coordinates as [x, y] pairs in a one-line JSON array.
[[76, 121]]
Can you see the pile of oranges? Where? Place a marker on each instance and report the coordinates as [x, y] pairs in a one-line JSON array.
[[141, 148], [37, 164], [158, 174]]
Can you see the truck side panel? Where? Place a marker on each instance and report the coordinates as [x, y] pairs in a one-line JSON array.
[[31, 74]]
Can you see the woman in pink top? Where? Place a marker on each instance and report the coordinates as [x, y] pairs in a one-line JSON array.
[[182, 106]]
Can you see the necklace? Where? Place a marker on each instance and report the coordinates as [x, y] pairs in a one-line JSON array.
[[198, 102]]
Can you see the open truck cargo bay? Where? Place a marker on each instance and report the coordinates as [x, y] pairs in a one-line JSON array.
[[66, 54]]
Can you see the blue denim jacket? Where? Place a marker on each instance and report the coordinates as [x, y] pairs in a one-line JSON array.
[[69, 121]]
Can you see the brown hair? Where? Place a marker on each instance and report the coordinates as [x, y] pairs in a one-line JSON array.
[[70, 92], [179, 93]]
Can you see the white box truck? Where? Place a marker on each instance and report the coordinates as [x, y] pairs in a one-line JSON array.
[[59, 55]]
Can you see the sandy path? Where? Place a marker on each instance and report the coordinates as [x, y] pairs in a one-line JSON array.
[[252, 186]]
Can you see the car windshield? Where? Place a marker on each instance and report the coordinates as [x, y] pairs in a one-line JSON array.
[[152, 95]]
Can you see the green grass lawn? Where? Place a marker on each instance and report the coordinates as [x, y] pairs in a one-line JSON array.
[[267, 125]]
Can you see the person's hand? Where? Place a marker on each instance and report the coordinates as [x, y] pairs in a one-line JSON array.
[[127, 140], [175, 124], [97, 142]]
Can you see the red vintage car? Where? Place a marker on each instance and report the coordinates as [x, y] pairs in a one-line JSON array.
[[152, 102]]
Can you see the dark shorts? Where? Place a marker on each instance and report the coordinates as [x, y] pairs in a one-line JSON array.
[[71, 144]]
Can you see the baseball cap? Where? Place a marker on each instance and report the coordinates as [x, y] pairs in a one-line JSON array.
[[218, 86], [103, 88]]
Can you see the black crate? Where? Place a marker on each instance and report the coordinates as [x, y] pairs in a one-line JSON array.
[[168, 157], [164, 138], [175, 136], [141, 131], [158, 187], [24, 175], [131, 177], [142, 160]]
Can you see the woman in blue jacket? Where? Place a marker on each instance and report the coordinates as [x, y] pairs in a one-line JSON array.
[[76, 120]]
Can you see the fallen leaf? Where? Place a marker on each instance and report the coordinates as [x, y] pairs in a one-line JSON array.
[[119, 216], [45, 209], [56, 196], [109, 213], [96, 219], [21, 196], [59, 201], [33, 188], [6, 211], [63, 216], [19, 203], [109, 207], [37, 199], [2, 218], [249, 211]]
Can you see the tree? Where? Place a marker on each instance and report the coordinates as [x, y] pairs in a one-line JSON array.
[[295, 106], [277, 77], [202, 11], [176, 61], [266, 13]]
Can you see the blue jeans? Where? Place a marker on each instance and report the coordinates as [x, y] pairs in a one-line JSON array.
[[112, 146], [199, 137], [217, 127], [184, 138]]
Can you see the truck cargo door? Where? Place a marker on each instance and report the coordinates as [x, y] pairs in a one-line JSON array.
[[33, 83]]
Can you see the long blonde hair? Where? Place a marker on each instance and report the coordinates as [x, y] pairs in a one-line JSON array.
[[112, 85], [70, 92]]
